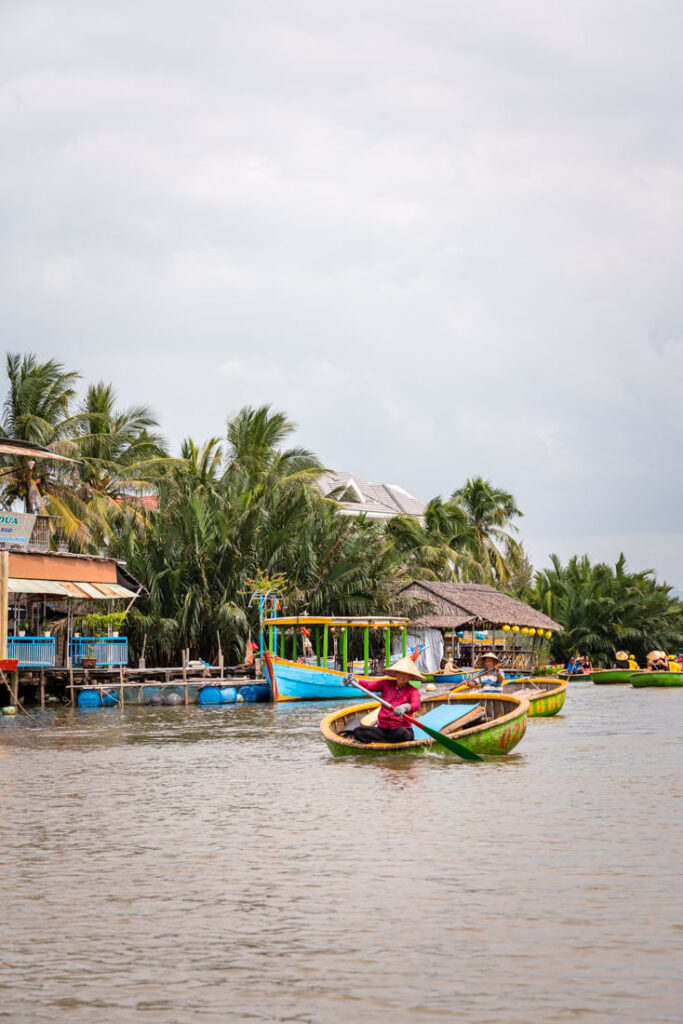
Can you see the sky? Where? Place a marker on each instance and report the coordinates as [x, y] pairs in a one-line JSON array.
[[445, 238]]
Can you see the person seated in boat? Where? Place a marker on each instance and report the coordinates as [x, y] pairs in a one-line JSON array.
[[621, 660], [400, 687], [492, 678], [657, 661], [570, 667], [587, 664], [447, 668]]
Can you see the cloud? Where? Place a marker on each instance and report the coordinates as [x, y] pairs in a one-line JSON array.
[[444, 238]]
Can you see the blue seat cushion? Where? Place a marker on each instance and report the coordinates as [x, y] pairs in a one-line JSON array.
[[441, 716]]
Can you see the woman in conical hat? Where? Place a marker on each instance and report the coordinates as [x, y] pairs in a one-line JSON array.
[[400, 687], [492, 679]]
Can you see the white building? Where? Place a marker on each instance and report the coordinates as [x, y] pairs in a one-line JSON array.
[[361, 497]]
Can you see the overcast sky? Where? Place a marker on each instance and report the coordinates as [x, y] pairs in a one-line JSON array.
[[445, 237]]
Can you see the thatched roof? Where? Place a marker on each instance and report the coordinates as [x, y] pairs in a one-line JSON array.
[[461, 604]]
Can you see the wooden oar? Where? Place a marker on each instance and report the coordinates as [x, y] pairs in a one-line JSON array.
[[456, 748]]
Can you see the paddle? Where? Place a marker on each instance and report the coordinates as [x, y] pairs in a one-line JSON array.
[[445, 741]]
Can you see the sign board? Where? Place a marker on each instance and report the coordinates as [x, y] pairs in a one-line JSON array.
[[16, 527]]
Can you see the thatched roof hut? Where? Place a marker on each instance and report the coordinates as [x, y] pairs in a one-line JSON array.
[[472, 604]]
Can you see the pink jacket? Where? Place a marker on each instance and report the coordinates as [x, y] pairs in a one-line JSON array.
[[390, 691]]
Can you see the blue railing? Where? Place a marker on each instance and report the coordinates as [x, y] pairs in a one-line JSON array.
[[110, 651], [32, 651]]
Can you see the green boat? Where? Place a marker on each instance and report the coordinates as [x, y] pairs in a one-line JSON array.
[[546, 696], [641, 679], [493, 727], [614, 675]]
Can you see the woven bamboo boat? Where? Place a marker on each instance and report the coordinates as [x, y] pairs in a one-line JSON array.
[[642, 679], [546, 696], [614, 675], [496, 729], [570, 677]]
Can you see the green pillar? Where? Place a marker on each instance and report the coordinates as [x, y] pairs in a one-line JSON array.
[[387, 647], [282, 642], [345, 648], [325, 646], [366, 650], [317, 645], [294, 646], [404, 638]]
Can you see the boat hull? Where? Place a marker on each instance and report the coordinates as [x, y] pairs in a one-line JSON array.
[[296, 681], [451, 678], [492, 738], [647, 679], [542, 705], [617, 675]]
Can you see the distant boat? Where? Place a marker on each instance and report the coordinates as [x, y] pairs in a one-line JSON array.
[[294, 679], [642, 679], [613, 675]]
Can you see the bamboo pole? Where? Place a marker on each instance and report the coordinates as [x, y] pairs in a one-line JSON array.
[[42, 688], [122, 697], [71, 681]]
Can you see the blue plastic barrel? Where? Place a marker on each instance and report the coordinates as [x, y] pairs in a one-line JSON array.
[[110, 699], [249, 693], [209, 695], [89, 699], [228, 695]]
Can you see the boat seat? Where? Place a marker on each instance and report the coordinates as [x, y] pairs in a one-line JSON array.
[[442, 716]]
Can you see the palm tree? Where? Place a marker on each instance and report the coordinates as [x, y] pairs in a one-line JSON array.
[[37, 408], [489, 535], [603, 609]]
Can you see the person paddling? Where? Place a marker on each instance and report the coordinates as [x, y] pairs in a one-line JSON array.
[[400, 688], [492, 678]]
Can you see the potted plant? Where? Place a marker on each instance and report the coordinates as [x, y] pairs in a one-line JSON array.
[[89, 660]]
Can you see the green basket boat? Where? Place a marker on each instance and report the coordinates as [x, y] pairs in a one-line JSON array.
[[614, 675], [496, 729], [546, 697], [642, 679]]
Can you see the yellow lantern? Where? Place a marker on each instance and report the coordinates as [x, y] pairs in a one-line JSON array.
[[506, 629], [548, 634], [539, 632], [515, 629]]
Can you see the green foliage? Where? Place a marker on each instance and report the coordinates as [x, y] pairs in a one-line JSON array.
[[99, 624], [603, 609]]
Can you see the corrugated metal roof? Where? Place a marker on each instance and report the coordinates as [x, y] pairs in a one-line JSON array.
[[67, 588]]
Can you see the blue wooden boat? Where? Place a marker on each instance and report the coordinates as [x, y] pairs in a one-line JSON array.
[[296, 679]]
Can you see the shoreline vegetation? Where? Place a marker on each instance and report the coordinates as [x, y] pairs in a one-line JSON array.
[[193, 527]]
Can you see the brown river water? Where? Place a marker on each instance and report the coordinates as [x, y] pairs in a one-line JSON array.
[[208, 865]]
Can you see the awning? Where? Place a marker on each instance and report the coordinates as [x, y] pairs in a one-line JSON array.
[[66, 588]]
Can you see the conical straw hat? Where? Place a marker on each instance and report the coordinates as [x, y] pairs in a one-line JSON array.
[[487, 654], [406, 667]]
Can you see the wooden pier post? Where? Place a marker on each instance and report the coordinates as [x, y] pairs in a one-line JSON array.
[[122, 695], [184, 666], [71, 681], [220, 655], [42, 688]]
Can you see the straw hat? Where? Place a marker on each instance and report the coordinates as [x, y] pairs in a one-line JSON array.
[[621, 656], [657, 656], [406, 667], [487, 654]]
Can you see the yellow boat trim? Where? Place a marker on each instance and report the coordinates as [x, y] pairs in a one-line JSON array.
[[374, 622]]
